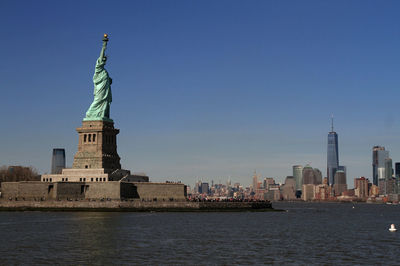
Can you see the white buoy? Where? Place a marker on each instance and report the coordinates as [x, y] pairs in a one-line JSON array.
[[392, 228]]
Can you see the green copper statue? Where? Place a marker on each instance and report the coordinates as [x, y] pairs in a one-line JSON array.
[[100, 107]]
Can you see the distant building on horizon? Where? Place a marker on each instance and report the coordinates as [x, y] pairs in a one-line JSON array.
[[340, 184], [204, 188], [268, 181], [288, 190], [308, 175], [333, 155], [379, 155], [361, 187], [397, 170], [57, 161], [388, 168], [343, 168], [311, 175], [255, 181], [387, 184], [308, 192], [397, 176], [298, 176], [317, 176]]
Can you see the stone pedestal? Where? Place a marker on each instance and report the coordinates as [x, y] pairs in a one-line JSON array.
[[97, 159], [97, 146]]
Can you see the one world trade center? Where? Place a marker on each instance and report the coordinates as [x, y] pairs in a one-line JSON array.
[[333, 155]]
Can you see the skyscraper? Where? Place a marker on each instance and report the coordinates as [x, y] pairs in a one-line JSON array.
[[340, 182], [390, 186], [57, 161], [333, 155], [397, 177], [298, 176], [255, 181], [308, 175], [204, 188], [288, 190], [268, 181], [311, 176], [379, 154], [361, 187], [342, 168], [317, 176], [388, 168], [397, 169]]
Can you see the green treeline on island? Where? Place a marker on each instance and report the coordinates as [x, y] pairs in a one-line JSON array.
[[18, 173]]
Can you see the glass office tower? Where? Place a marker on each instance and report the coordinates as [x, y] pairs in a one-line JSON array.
[[388, 168], [333, 155], [57, 161], [298, 176], [397, 177], [397, 169], [379, 155]]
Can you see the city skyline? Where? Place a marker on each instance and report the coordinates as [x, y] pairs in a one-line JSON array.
[[251, 87]]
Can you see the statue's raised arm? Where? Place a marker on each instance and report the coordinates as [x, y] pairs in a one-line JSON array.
[[103, 50], [100, 107]]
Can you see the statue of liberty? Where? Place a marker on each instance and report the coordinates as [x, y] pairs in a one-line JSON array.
[[100, 107]]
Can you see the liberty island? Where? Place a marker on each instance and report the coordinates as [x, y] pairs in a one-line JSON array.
[[96, 180]]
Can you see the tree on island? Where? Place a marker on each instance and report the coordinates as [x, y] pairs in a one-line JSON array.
[[18, 173]]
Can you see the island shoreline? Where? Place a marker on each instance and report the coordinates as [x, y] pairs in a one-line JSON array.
[[135, 206]]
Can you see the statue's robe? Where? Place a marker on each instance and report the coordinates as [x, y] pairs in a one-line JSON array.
[[100, 107]]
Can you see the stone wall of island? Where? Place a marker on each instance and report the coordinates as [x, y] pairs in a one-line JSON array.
[[112, 190], [130, 205]]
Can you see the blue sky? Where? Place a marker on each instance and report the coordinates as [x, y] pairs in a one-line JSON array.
[[204, 89]]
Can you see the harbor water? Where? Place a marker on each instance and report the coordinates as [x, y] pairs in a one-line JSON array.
[[307, 233]]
